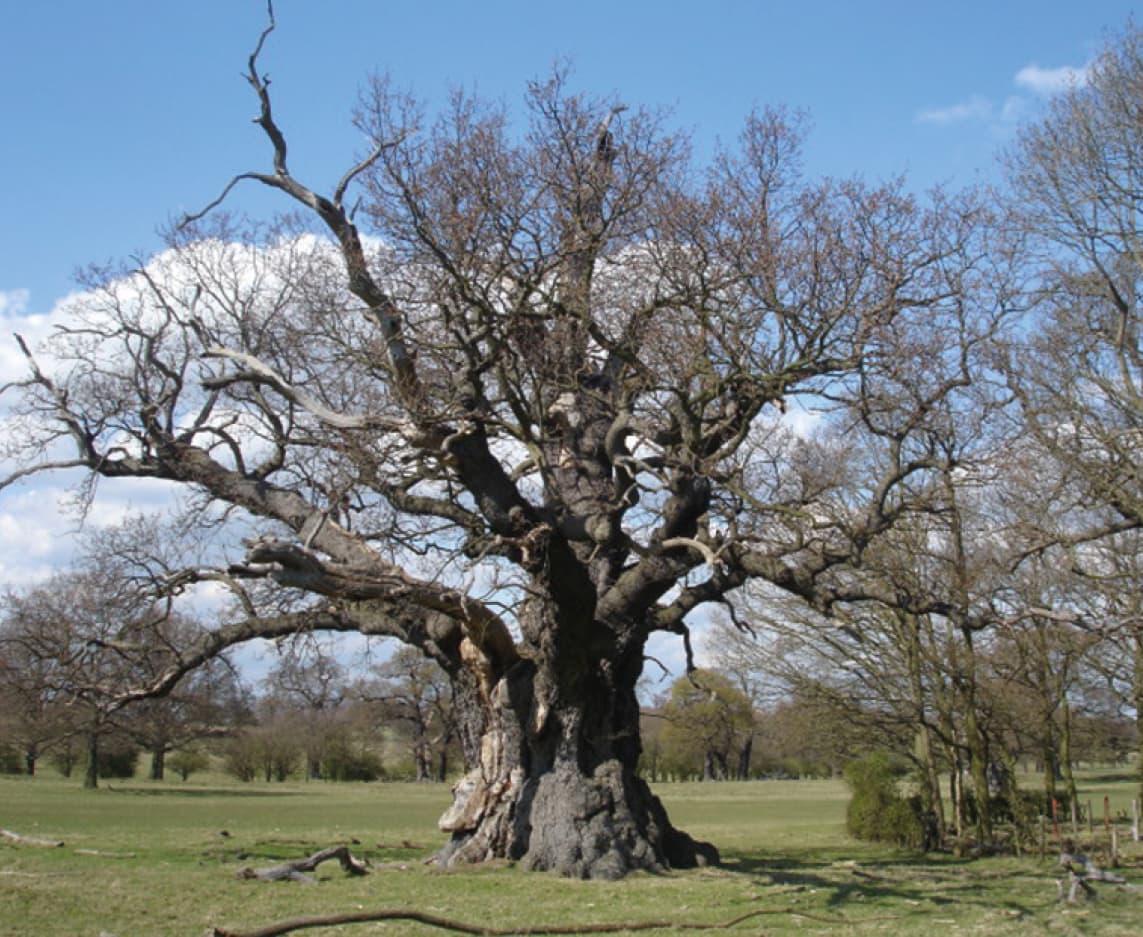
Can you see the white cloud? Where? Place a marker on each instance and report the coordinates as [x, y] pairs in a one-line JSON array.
[[976, 107], [1049, 81], [33, 328], [13, 302], [35, 538], [1033, 78]]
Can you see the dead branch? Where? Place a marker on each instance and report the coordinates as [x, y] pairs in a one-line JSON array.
[[29, 840], [459, 927], [1082, 871], [296, 870]]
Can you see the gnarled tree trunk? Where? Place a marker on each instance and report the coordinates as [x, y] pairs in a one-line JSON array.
[[553, 782]]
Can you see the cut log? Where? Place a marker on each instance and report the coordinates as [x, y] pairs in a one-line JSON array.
[[296, 870]]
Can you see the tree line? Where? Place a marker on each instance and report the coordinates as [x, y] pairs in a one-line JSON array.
[[62, 666]]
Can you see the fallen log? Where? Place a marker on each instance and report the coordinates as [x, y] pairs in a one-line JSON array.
[[295, 871], [30, 840]]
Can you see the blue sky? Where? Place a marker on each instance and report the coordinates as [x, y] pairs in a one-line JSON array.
[[117, 115]]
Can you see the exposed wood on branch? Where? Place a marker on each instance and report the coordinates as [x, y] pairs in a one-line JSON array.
[[1082, 871], [296, 870], [30, 840]]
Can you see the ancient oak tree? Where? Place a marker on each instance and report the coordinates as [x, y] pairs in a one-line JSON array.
[[515, 396]]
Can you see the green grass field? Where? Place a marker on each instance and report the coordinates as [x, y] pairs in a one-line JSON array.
[[160, 859]]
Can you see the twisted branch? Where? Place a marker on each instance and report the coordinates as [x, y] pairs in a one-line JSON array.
[[460, 927]]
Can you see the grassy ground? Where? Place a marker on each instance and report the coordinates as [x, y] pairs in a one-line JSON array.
[[166, 857]]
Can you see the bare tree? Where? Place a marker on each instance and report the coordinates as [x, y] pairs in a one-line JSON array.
[[1076, 177], [310, 683], [85, 636], [207, 703], [524, 417], [32, 712], [414, 692]]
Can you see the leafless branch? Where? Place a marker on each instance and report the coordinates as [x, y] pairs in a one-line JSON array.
[[460, 927]]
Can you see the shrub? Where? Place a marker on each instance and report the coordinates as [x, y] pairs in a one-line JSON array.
[[117, 759], [346, 761], [65, 757], [10, 760], [240, 759], [877, 812], [186, 763]]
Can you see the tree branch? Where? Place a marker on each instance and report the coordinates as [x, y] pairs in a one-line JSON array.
[[460, 927]]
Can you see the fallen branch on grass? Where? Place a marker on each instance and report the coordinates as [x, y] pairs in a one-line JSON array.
[[1078, 879], [30, 840], [296, 870], [556, 930]]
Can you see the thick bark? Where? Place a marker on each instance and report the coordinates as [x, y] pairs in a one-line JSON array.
[[554, 784]]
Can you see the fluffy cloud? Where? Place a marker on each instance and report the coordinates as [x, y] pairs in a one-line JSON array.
[[33, 328], [1049, 81], [979, 108], [976, 107], [13, 302]]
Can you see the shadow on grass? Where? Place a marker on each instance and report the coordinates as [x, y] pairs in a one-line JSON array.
[[202, 792], [1126, 776], [922, 883]]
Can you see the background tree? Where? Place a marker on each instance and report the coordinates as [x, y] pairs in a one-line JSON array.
[[68, 630], [74, 644], [708, 722], [207, 703], [308, 687], [416, 694], [533, 419], [1076, 176], [32, 712]]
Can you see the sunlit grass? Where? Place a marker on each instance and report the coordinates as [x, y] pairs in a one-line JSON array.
[[168, 853]]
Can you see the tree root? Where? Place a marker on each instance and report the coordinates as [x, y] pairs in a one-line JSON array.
[[459, 927], [296, 870]]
